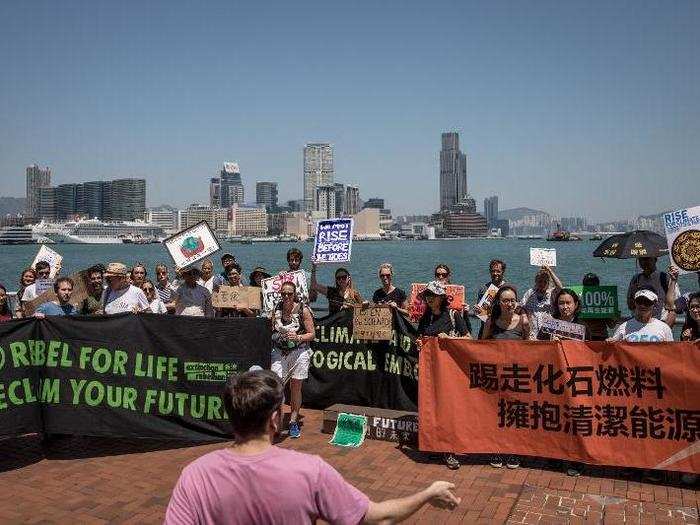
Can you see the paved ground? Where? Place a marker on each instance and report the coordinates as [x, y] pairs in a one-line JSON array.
[[86, 480]]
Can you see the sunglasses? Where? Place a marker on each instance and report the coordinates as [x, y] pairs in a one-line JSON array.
[[339, 277], [441, 274]]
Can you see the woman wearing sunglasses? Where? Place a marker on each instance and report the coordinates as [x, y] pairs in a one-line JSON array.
[[340, 296], [443, 274], [389, 294], [157, 306]]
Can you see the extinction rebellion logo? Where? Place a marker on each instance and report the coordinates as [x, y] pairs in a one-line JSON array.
[[211, 372]]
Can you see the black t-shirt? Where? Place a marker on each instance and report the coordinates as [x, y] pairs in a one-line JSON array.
[[397, 295], [432, 325]]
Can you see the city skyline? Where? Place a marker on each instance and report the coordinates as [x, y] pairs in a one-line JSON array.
[[561, 108]]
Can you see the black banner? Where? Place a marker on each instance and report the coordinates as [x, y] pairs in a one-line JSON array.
[[128, 375], [380, 374]]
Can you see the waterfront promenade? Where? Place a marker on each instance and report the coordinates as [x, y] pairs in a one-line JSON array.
[[96, 480]]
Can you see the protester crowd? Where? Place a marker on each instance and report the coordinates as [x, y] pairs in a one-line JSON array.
[[653, 297]]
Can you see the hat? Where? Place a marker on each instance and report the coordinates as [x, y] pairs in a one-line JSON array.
[[261, 271], [647, 294], [116, 269], [435, 287]]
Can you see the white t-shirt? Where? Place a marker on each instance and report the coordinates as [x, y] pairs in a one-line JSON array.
[[633, 331], [127, 299], [209, 285], [538, 307], [29, 292], [193, 301], [158, 306]]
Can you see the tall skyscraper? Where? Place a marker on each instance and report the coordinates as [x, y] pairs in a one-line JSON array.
[[340, 208], [491, 210], [67, 196], [127, 199], [352, 200], [47, 203], [231, 185], [94, 198], [453, 171], [266, 194], [215, 192], [318, 171], [37, 178], [325, 199]]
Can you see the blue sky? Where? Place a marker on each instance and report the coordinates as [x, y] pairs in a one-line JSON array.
[[586, 108]]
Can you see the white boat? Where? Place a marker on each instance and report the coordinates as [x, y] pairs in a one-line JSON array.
[[16, 235], [95, 231]]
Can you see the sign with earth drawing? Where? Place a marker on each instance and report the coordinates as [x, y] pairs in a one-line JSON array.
[[192, 245]]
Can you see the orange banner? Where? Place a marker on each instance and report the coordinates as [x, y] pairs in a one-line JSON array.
[[625, 404]]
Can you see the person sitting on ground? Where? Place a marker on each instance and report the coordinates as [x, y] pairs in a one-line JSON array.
[[658, 282], [92, 304], [292, 332], [164, 288], [439, 320], [120, 296], [63, 287], [537, 301], [443, 274], [5, 310], [207, 277], [257, 275], [389, 294], [191, 298], [340, 296], [497, 271], [253, 481], [154, 303], [644, 327], [43, 272], [691, 326], [234, 280]]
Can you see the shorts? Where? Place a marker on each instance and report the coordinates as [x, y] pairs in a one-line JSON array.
[[282, 364]]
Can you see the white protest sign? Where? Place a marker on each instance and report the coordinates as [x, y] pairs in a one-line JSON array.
[[43, 285], [485, 302], [562, 329], [683, 237], [333, 241], [543, 257], [52, 257], [272, 286], [192, 245]]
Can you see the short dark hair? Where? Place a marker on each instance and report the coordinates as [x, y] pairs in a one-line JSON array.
[[294, 251], [60, 280], [497, 261], [250, 399], [234, 266], [591, 279], [444, 267], [98, 268], [42, 265]]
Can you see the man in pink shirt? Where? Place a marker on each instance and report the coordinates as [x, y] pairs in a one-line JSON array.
[[254, 482]]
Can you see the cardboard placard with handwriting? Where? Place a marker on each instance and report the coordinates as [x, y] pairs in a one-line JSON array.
[[237, 296], [372, 324], [80, 292]]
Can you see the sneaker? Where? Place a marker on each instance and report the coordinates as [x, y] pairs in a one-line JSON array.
[[651, 476], [451, 461], [512, 462], [574, 469], [294, 430], [496, 462], [689, 479]]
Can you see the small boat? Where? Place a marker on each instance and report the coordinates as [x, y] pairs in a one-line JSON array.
[[560, 235], [596, 237]]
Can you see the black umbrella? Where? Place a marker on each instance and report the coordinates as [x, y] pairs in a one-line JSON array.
[[632, 245]]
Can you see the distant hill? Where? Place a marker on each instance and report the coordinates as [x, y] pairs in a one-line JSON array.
[[12, 205], [515, 214]]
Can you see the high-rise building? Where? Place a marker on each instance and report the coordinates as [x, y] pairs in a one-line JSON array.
[[453, 171], [47, 203], [266, 194], [318, 171], [339, 189], [325, 199], [215, 192], [247, 220], [127, 199], [36, 178], [352, 200], [231, 187], [491, 210], [166, 218], [95, 195], [67, 197], [374, 202]]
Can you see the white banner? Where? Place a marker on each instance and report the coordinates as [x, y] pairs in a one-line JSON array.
[[272, 286], [543, 257]]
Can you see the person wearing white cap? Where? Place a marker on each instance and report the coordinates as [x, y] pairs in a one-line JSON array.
[[643, 327]]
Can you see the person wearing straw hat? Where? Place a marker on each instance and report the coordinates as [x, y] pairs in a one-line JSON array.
[[257, 275], [120, 296]]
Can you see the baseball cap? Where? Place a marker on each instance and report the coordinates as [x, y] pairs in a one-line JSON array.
[[647, 294], [115, 269]]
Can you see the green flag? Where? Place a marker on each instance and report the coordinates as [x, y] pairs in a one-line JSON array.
[[349, 430]]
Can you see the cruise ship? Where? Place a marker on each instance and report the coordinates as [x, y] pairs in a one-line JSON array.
[[16, 235], [95, 231]]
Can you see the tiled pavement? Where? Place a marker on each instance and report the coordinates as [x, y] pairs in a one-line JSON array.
[[89, 480]]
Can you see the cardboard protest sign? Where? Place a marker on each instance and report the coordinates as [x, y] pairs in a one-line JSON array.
[[81, 282], [372, 324], [350, 430], [683, 237], [597, 302], [543, 257], [417, 306], [562, 329], [52, 257], [484, 304], [271, 288], [191, 245], [333, 242], [42, 285], [237, 296]]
